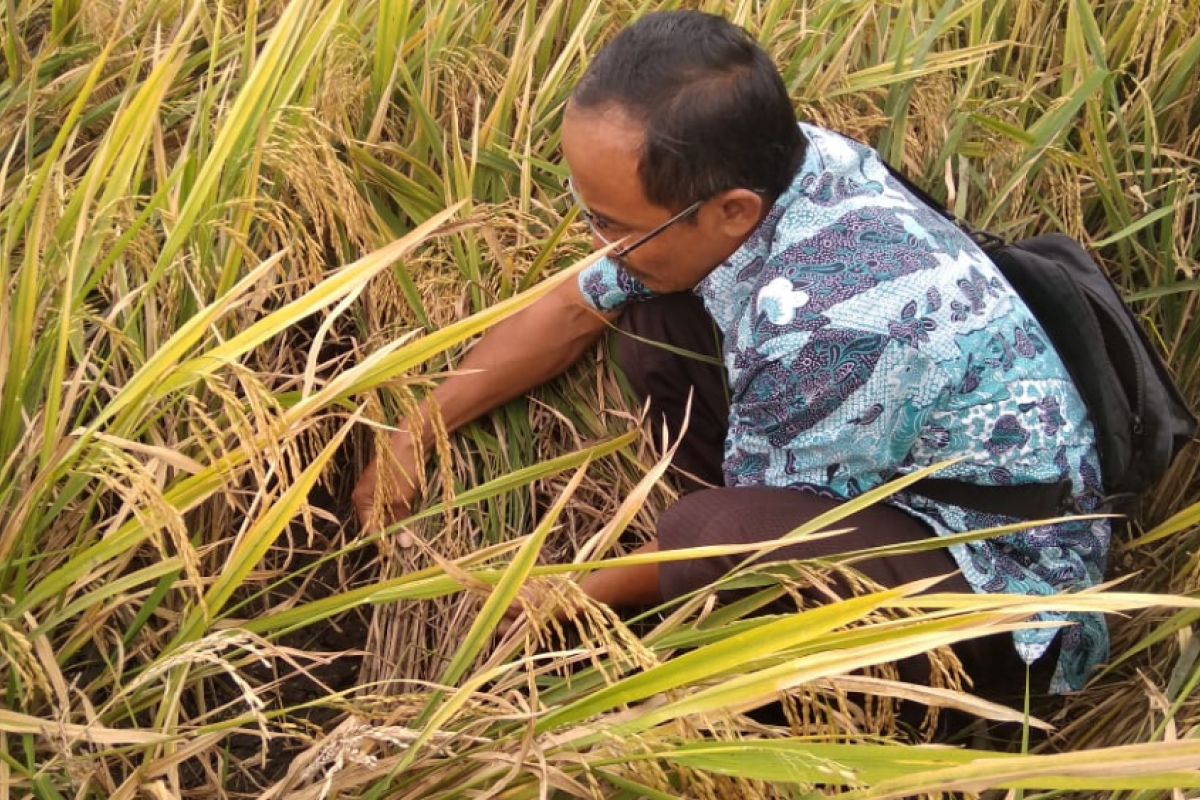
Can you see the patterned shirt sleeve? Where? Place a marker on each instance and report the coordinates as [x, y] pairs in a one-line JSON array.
[[608, 287]]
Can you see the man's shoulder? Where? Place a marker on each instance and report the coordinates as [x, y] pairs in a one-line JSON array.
[[828, 152], [820, 136], [837, 216]]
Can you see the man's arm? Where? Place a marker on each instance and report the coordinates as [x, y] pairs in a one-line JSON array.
[[517, 355], [621, 587], [616, 587]]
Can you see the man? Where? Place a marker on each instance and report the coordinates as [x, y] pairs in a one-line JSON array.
[[863, 336]]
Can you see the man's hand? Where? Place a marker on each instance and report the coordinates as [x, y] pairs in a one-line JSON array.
[[388, 486], [616, 587], [522, 352]]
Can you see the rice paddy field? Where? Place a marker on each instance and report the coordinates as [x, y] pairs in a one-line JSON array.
[[238, 240]]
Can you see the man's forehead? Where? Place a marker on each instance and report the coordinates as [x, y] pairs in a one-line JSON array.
[[612, 114], [602, 133], [602, 147]]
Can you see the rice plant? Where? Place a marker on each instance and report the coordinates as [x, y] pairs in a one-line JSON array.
[[238, 241]]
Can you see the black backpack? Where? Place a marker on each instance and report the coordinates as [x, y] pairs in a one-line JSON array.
[[1141, 420]]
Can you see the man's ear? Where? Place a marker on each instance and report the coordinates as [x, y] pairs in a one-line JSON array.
[[739, 212]]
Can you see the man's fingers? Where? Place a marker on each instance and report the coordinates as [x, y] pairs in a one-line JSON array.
[[364, 505], [363, 496]]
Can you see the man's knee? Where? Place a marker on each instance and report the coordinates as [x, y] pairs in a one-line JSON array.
[[738, 515], [701, 518], [697, 519]]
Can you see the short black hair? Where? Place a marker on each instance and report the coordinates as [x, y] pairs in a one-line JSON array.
[[715, 110]]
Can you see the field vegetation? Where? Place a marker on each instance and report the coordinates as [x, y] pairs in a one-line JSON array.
[[240, 239]]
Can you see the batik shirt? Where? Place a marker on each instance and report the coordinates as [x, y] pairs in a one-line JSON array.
[[864, 337]]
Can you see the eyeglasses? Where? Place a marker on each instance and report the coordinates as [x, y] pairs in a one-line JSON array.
[[599, 225]]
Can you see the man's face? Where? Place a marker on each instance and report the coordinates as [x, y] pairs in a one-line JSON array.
[[602, 147]]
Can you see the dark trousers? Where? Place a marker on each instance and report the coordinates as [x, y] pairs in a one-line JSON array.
[[710, 513]]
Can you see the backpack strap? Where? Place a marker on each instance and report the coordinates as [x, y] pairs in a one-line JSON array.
[[985, 239], [1024, 501], [921, 194]]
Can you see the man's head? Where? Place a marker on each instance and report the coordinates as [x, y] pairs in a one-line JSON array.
[[681, 109]]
